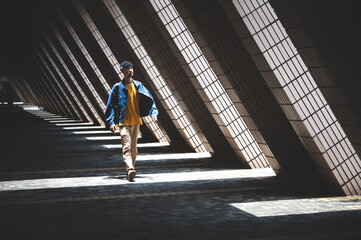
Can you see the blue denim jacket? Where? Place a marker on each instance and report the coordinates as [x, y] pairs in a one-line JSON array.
[[118, 99]]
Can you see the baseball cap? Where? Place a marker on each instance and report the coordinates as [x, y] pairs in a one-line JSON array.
[[125, 64]]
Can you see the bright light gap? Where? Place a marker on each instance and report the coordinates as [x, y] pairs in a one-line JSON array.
[[52, 183]]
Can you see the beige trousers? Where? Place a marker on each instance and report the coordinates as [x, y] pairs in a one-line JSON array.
[[129, 137]]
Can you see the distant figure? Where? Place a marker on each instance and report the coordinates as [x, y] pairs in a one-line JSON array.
[[127, 103]]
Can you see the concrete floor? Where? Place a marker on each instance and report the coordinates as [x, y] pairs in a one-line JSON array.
[[60, 182]]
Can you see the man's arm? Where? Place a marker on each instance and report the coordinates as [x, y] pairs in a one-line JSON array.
[[109, 111], [154, 112]]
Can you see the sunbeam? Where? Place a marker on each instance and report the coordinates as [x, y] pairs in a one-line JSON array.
[[50, 183]]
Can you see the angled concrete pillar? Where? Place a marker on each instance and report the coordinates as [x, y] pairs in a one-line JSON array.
[[114, 62], [37, 89], [20, 85], [13, 80], [70, 91], [329, 47], [298, 94], [74, 72], [214, 33], [157, 82], [207, 84], [49, 90], [55, 87]]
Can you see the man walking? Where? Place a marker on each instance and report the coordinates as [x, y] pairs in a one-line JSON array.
[[129, 100]]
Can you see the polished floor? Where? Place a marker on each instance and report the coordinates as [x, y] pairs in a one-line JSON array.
[[64, 179]]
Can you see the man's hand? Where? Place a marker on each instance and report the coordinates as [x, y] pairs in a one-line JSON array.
[[154, 118], [113, 128]]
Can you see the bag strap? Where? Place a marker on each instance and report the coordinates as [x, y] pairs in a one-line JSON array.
[[117, 94]]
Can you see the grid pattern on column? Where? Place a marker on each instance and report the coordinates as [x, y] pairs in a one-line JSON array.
[[155, 129], [48, 102], [82, 73], [33, 98], [19, 81], [33, 87], [113, 61], [302, 93], [31, 83], [84, 51], [48, 85], [24, 95], [26, 90], [64, 81], [155, 76], [14, 84], [98, 37], [210, 83], [59, 86], [86, 99]]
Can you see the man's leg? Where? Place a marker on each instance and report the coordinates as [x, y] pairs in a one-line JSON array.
[[133, 143], [125, 132]]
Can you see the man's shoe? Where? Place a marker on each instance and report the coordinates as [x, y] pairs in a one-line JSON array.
[[131, 174]]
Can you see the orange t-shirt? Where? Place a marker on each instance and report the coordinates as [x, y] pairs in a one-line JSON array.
[[132, 115]]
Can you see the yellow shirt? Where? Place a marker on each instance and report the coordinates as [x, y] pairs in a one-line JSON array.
[[132, 115]]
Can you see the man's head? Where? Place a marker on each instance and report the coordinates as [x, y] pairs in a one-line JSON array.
[[126, 68]]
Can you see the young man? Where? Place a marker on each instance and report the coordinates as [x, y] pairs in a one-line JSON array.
[[132, 101]]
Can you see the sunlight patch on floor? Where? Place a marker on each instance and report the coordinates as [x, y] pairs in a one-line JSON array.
[[141, 145], [299, 206], [65, 121], [52, 183], [32, 108], [93, 132], [151, 157], [74, 124], [47, 118], [83, 128], [115, 137]]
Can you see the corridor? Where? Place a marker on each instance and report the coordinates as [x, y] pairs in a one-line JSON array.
[[64, 179]]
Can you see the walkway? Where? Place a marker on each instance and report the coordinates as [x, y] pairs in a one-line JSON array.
[[63, 179]]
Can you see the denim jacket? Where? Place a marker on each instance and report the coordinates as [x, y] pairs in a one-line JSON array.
[[118, 102]]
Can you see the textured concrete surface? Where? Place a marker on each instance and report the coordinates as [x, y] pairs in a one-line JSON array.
[[58, 183]]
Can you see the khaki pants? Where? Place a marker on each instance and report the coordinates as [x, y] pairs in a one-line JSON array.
[[129, 136]]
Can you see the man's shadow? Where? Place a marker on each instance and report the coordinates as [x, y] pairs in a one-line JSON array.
[[124, 177]]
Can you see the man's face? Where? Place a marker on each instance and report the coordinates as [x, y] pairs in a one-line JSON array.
[[128, 71]]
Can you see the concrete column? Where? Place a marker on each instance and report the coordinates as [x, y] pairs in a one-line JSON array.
[[298, 94], [114, 60], [48, 89], [329, 46], [71, 99], [74, 73]]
